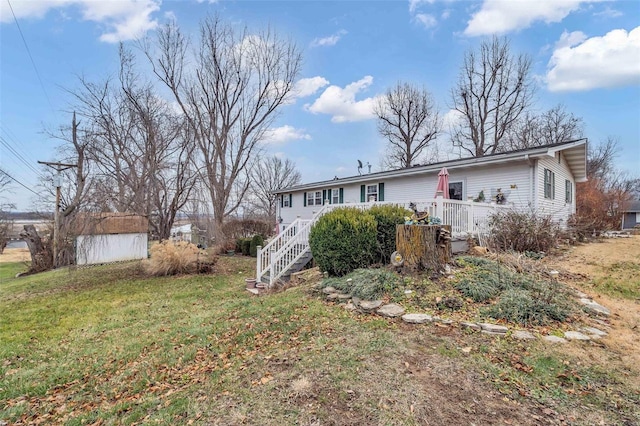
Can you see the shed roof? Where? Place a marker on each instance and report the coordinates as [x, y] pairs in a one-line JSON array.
[[110, 223], [634, 206]]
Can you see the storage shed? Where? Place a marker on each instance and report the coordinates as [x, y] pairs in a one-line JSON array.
[[110, 237]]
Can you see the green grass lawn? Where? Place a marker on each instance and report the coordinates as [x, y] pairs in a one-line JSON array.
[[108, 345]]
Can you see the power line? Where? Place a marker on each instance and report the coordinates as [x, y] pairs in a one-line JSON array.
[[30, 56], [18, 182], [16, 154]]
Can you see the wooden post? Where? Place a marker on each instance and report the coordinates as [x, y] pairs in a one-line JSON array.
[[424, 247]]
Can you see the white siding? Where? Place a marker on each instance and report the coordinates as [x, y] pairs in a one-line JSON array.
[[557, 208], [93, 249], [514, 180]]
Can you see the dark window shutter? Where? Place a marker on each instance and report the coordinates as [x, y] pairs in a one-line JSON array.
[[324, 196], [362, 193], [304, 199], [381, 191], [341, 200], [281, 201], [290, 200]]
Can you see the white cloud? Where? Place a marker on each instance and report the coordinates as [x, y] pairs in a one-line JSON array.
[[428, 21], [122, 20], [451, 118], [308, 86], [413, 4], [328, 41], [341, 103], [503, 16], [609, 13], [580, 63], [284, 134]]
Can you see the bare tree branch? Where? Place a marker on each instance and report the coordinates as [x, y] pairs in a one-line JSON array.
[[494, 89], [408, 119]]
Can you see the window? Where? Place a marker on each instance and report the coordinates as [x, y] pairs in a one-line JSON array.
[[286, 201], [455, 190], [335, 196], [314, 198], [372, 193], [568, 192], [549, 184]]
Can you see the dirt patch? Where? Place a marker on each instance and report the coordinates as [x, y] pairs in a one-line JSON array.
[[11, 255], [591, 262]]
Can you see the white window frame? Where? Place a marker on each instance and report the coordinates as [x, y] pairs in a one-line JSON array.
[[370, 194], [549, 184], [314, 198], [461, 182], [285, 201], [335, 196], [568, 191]]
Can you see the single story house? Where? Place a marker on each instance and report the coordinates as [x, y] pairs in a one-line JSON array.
[[631, 215], [542, 178]]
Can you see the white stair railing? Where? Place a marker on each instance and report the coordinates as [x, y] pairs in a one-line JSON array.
[[286, 248]]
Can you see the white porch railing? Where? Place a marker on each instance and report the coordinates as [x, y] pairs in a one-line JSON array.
[[284, 250]]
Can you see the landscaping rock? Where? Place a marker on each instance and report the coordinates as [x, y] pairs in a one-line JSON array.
[[329, 290], [595, 307], [522, 335], [594, 331], [493, 328], [576, 335], [356, 301], [344, 296], [369, 305], [444, 321], [471, 325], [493, 333], [554, 339], [350, 306], [417, 318], [332, 296], [391, 310]]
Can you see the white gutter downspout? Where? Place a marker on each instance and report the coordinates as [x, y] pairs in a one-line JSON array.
[[532, 191]]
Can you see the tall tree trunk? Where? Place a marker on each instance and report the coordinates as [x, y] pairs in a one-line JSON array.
[[41, 254]]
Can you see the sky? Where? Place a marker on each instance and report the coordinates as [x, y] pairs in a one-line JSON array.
[[585, 55]]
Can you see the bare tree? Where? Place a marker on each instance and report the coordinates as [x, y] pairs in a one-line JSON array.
[[601, 200], [552, 126], [494, 89], [408, 119], [268, 175], [229, 93], [169, 175]]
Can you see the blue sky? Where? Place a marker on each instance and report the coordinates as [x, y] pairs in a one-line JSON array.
[[586, 55]]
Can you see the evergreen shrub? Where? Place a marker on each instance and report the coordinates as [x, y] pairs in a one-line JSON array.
[[343, 240], [256, 240], [387, 217]]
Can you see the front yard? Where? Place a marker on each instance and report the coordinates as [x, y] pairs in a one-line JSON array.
[[107, 345]]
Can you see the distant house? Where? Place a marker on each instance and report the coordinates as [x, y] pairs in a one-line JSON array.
[[542, 179], [631, 215], [182, 233], [110, 237]]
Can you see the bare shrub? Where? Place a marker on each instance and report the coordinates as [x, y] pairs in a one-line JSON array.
[[181, 257], [522, 232]]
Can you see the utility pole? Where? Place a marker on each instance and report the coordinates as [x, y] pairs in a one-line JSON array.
[[59, 167]]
